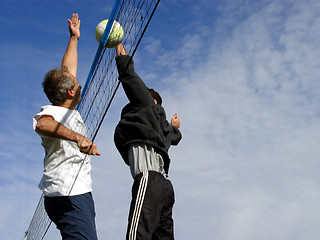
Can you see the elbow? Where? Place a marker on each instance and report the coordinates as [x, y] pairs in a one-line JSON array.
[[39, 127]]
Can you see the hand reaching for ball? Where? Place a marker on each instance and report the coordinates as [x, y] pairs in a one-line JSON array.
[[74, 25]]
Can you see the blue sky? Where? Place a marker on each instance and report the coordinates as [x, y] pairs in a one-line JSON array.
[[243, 77]]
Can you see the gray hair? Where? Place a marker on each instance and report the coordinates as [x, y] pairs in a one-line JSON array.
[[56, 85]]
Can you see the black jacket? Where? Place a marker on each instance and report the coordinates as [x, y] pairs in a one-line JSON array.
[[142, 121]]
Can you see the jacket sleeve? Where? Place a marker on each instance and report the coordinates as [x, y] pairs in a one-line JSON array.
[[176, 136], [135, 89]]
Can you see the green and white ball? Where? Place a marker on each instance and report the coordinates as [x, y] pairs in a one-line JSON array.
[[116, 34]]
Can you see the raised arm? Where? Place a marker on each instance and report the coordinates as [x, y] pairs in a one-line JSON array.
[[135, 89], [47, 126], [70, 58]]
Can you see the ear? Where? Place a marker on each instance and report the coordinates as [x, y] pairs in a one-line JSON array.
[[70, 93], [155, 101]]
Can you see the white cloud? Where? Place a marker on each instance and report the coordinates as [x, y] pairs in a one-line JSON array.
[[250, 120]]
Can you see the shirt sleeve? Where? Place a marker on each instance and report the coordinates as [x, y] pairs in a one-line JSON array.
[[48, 110], [38, 116]]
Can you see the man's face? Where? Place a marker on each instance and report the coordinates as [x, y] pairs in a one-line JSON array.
[[76, 89]]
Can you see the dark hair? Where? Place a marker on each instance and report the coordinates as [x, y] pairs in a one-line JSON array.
[[155, 96], [56, 85]]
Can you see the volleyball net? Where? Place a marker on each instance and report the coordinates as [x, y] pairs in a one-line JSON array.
[[102, 83]]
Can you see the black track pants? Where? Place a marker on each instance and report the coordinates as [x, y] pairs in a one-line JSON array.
[[150, 215]]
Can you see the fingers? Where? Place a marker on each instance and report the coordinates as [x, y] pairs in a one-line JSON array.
[[175, 117], [94, 150], [88, 147], [120, 50], [175, 121], [75, 19], [74, 22], [74, 25]]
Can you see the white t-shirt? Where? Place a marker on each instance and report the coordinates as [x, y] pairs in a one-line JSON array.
[[63, 158]]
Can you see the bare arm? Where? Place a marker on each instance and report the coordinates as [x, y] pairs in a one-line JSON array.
[[47, 126], [70, 58]]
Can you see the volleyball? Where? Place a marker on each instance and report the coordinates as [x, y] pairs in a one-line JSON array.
[[115, 36]]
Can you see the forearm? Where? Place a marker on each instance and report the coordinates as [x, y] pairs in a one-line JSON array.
[[70, 58], [49, 127]]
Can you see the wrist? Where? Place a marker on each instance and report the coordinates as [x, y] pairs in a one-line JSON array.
[[74, 37], [75, 137]]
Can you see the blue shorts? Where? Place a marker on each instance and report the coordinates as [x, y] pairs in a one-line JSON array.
[[73, 215]]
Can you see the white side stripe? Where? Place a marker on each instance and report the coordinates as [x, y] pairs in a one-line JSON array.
[[137, 208]]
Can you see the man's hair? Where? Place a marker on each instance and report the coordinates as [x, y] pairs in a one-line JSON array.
[[56, 85], [155, 96]]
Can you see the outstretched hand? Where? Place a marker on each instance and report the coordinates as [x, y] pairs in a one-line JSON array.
[[175, 121], [74, 25]]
